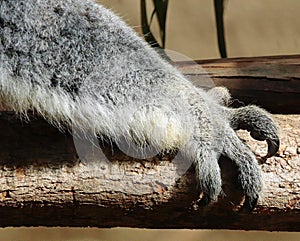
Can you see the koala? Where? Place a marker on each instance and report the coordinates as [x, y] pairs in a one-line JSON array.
[[77, 64]]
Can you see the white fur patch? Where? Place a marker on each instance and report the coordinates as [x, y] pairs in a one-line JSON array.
[[157, 126]]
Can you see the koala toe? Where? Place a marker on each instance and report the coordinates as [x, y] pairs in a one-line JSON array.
[[249, 203], [204, 200], [259, 123]]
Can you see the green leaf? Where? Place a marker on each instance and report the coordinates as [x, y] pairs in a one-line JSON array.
[[219, 12], [146, 27], [162, 25], [161, 8]]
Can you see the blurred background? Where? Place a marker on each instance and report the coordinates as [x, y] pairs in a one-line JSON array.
[[252, 28]]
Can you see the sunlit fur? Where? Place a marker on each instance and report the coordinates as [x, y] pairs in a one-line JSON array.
[[80, 66]]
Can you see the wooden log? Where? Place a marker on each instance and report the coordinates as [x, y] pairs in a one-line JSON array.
[[50, 178], [44, 183], [271, 82]]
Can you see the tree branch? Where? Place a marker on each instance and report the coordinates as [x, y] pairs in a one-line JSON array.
[[49, 178], [271, 82]]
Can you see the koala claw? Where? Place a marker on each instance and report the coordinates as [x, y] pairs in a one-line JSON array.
[[259, 123], [204, 200], [273, 146], [249, 204], [273, 143]]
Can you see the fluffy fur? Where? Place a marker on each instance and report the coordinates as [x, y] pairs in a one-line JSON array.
[[79, 65]]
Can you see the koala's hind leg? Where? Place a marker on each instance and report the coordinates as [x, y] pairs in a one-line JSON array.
[[251, 118], [207, 173], [258, 122], [249, 172]]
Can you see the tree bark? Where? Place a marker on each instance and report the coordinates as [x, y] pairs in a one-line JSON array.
[[51, 178]]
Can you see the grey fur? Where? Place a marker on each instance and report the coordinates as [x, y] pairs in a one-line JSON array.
[[78, 64]]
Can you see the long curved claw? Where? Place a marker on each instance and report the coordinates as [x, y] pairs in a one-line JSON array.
[[256, 135], [273, 143], [204, 201], [273, 146], [249, 204]]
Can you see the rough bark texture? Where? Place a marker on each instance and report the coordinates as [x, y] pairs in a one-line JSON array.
[[49, 178], [43, 182]]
